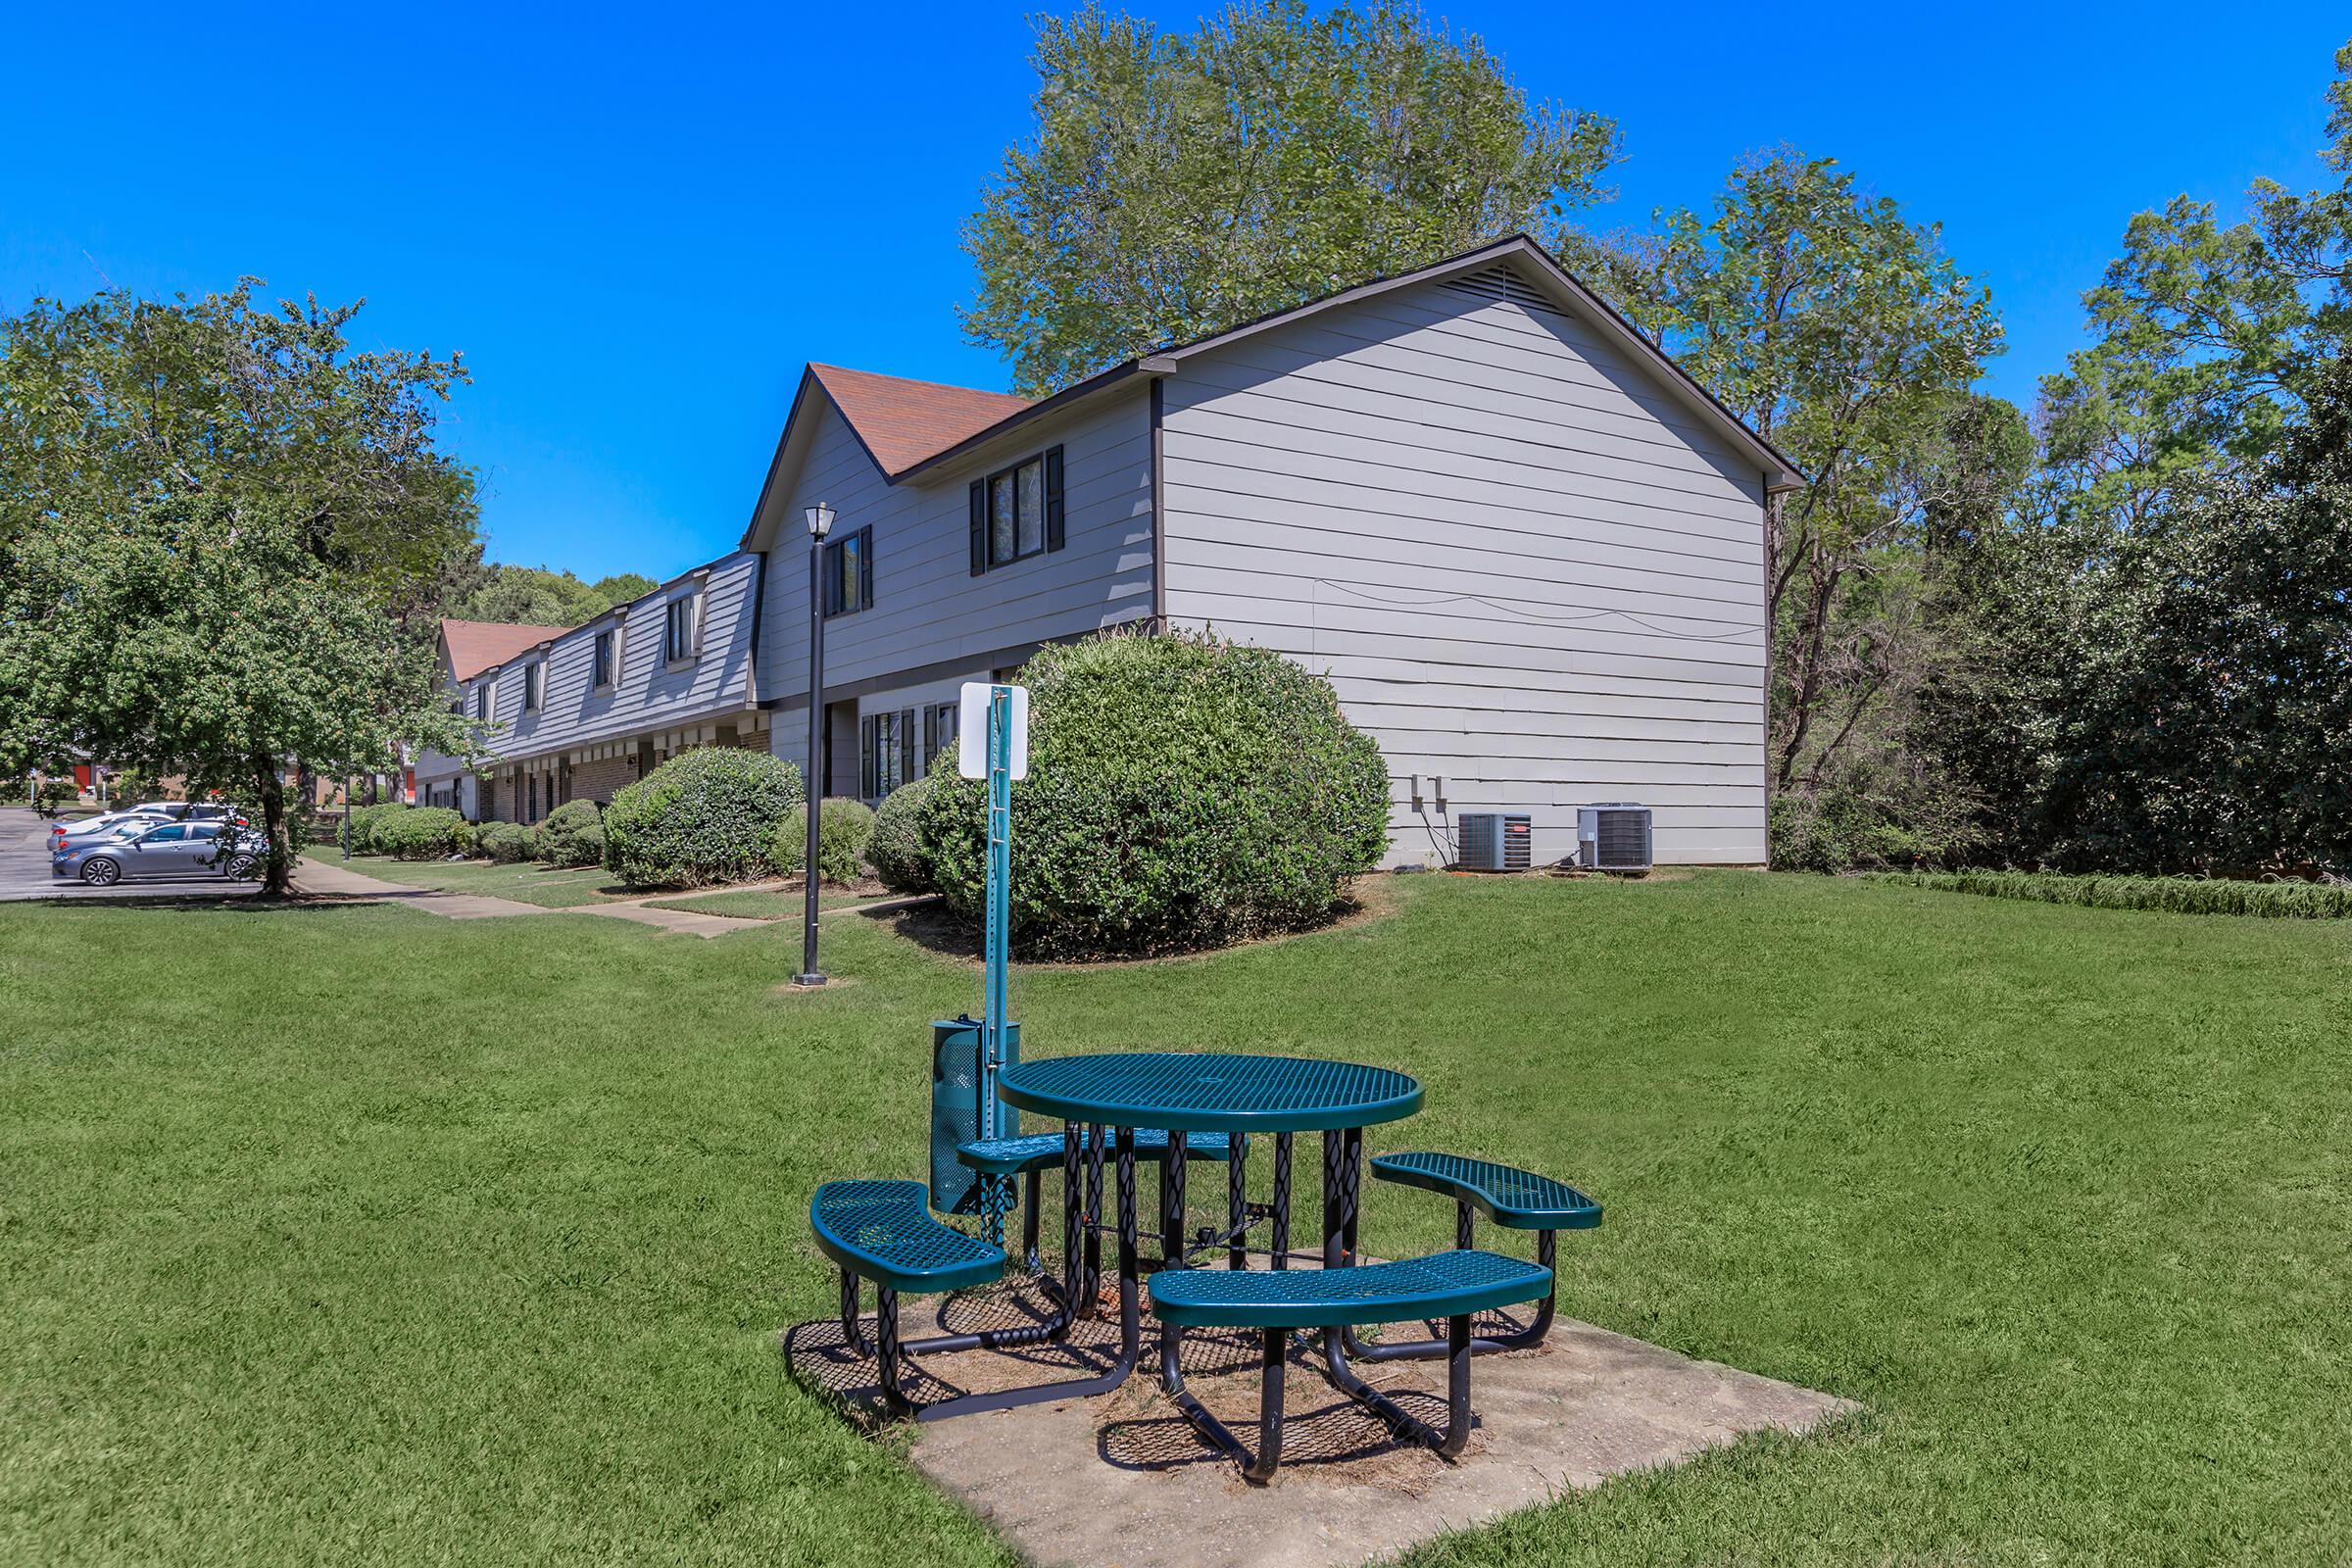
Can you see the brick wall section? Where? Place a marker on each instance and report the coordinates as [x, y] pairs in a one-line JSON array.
[[596, 781]]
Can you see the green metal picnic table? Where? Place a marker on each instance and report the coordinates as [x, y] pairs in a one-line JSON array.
[[1205, 1094]]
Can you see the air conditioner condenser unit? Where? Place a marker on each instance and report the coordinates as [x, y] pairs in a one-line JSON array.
[[1613, 837], [1496, 841]]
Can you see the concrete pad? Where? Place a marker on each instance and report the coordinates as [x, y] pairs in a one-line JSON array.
[[682, 922], [321, 880], [1123, 1479]]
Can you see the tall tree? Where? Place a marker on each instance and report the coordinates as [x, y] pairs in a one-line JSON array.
[[535, 596], [1839, 330], [2206, 337], [118, 402], [206, 636], [1177, 185], [249, 459]]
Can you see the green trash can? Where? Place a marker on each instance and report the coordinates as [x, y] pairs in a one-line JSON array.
[[956, 1108]]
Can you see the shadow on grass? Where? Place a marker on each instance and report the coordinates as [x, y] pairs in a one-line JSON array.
[[930, 924]]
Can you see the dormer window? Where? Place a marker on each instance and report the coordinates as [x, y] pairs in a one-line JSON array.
[[680, 628], [482, 698], [601, 675], [534, 681]]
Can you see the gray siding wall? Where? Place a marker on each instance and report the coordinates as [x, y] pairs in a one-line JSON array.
[[928, 608], [1526, 569], [646, 693]]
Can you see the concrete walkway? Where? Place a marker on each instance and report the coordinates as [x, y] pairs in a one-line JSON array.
[[318, 879]]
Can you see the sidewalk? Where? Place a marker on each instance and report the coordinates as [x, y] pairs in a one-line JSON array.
[[321, 880]]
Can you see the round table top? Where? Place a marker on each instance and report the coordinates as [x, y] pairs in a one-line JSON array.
[[1209, 1092]]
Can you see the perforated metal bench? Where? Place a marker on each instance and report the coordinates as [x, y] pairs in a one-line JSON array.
[[885, 1232], [1454, 1286], [1513, 1199]]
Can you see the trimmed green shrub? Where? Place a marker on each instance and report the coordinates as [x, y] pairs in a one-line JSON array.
[[1183, 793], [895, 849], [560, 836], [364, 822], [507, 842], [2285, 901], [704, 817], [421, 833], [57, 793], [843, 828]]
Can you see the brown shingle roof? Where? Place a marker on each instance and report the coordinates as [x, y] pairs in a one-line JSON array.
[[476, 645], [901, 423]]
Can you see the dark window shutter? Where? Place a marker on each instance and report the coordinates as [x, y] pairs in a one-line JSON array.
[[1054, 498], [979, 526], [930, 735], [865, 567], [832, 579], [905, 745], [865, 755]]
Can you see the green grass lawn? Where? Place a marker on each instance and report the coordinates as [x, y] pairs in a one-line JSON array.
[[350, 1235], [524, 881]]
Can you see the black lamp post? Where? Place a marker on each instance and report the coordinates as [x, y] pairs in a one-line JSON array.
[[820, 523]]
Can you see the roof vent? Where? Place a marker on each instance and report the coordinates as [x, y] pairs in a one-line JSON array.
[[1501, 284]]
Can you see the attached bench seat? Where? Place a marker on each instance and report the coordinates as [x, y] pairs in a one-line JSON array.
[[885, 1232], [1454, 1286], [1033, 1152], [1513, 1199], [1517, 1199]]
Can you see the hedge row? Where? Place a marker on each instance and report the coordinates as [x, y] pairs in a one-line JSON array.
[[2283, 900]]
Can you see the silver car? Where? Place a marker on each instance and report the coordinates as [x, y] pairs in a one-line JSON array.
[[171, 849]]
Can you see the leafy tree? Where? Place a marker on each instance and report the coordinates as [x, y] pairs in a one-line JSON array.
[[619, 587], [1178, 184], [223, 539], [206, 636], [2206, 339], [1839, 330], [117, 402]]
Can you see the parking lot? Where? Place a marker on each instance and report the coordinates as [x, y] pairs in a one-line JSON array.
[[24, 869]]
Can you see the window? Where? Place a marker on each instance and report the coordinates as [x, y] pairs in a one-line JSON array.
[[602, 676], [534, 681], [887, 751], [165, 835], [530, 786], [678, 629], [481, 701], [1016, 512], [849, 573], [939, 733], [205, 830]]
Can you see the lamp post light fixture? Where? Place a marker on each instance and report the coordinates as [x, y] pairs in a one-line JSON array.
[[820, 523]]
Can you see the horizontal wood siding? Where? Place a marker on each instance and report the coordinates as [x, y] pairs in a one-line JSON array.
[[647, 694], [928, 608], [1526, 567]]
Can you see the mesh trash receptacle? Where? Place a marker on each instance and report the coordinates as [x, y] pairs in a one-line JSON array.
[[956, 1108]]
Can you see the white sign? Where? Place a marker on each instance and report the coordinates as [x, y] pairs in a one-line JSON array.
[[971, 729]]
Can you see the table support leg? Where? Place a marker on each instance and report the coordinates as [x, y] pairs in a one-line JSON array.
[[1237, 1202], [1130, 1309], [1089, 1300], [1282, 1201], [1171, 1203]]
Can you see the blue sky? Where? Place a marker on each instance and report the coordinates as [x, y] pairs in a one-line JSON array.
[[638, 223]]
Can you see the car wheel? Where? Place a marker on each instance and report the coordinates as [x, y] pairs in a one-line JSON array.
[[244, 868], [101, 872]]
